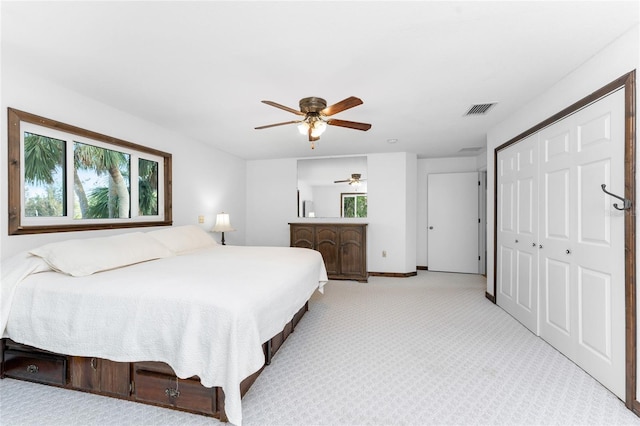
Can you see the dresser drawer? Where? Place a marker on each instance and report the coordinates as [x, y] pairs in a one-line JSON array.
[[167, 390], [36, 367]]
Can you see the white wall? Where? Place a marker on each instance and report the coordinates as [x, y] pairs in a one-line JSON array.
[[271, 201], [425, 167], [326, 201], [392, 213], [271, 205], [205, 180], [411, 214]]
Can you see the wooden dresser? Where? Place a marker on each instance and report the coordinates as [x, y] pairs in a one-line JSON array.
[[343, 247]]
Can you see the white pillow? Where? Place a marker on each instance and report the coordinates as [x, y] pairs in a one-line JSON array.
[[184, 239], [87, 256]]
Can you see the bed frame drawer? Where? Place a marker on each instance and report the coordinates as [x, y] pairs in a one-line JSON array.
[[36, 367], [169, 391]]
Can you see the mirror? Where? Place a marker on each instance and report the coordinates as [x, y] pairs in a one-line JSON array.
[[320, 196]]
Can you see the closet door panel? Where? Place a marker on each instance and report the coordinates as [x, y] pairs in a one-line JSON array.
[[558, 297], [598, 250], [556, 211], [555, 145], [525, 281], [507, 234], [518, 222], [582, 258], [555, 216], [594, 228], [507, 210], [507, 272], [594, 291]]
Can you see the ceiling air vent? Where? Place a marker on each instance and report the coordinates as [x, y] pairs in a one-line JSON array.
[[473, 149], [479, 109]]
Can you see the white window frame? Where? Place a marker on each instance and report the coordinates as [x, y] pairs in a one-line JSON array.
[[355, 195]]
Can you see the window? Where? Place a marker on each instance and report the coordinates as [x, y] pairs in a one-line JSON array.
[[74, 179], [354, 204]]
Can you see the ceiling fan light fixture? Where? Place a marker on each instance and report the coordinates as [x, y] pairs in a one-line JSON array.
[[318, 128], [316, 124], [315, 112], [303, 128]]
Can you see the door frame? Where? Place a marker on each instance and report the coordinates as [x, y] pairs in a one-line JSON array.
[[482, 219], [436, 192], [627, 82]]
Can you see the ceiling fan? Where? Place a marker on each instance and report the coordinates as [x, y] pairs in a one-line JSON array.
[[353, 180], [316, 112]]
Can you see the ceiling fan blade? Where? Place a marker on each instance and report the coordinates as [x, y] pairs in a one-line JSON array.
[[341, 181], [344, 104], [277, 124], [286, 108], [349, 124]]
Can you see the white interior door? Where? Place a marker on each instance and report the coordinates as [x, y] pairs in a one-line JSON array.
[[452, 208], [582, 238], [517, 257]]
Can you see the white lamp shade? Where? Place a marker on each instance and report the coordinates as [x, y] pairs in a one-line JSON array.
[[318, 128], [303, 128], [223, 224]]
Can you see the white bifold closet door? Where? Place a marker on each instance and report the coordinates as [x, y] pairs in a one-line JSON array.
[[518, 231], [564, 277]]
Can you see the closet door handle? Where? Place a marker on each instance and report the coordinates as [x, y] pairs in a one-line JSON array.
[[568, 251], [533, 244], [540, 246]]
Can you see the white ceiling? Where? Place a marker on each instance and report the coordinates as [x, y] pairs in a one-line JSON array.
[[202, 68]]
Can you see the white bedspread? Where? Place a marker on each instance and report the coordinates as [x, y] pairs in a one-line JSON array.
[[206, 313]]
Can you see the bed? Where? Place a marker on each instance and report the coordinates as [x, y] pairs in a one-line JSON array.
[[171, 299]]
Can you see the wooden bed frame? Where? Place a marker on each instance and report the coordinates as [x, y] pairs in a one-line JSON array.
[[149, 382]]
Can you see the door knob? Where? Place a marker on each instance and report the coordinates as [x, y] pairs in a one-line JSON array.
[[431, 227], [568, 251], [540, 246]]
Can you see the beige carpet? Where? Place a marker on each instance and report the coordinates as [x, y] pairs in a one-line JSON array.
[[425, 350]]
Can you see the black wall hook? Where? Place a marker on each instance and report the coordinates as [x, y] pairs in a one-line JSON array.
[[627, 203]]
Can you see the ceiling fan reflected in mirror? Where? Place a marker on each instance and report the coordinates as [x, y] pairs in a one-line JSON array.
[[316, 113], [353, 180]]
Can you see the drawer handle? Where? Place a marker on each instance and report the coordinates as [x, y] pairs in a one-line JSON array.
[[32, 368], [172, 393]]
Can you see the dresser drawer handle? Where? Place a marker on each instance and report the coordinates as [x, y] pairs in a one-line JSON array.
[[32, 368], [172, 393]]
